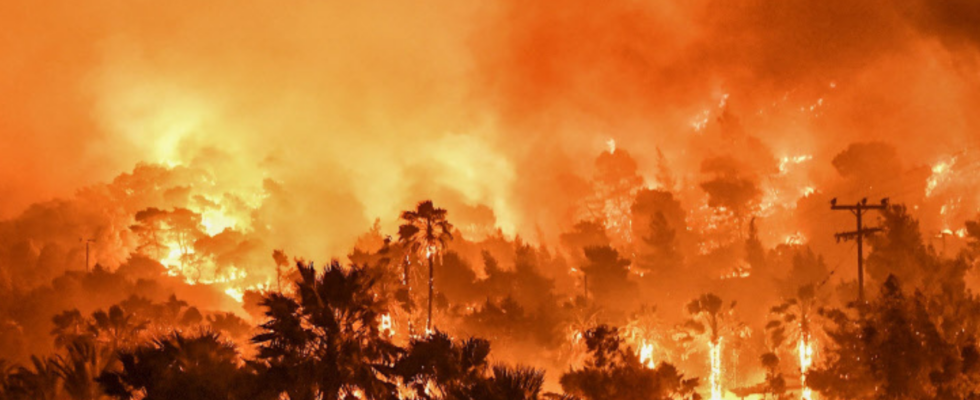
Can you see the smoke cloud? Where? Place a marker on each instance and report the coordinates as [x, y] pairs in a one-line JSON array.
[[359, 110]]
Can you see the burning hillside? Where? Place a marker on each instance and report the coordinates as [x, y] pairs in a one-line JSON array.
[[458, 200]]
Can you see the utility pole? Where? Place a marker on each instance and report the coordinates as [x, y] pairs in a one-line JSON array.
[[87, 242], [858, 210]]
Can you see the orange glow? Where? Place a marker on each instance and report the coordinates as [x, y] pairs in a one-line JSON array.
[[805, 351], [386, 326], [597, 160], [714, 380], [646, 355]]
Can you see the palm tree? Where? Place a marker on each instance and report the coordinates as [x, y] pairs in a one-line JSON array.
[[323, 340], [85, 361], [202, 366], [116, 327], [794, 320], [711, 320], [506, 383], [425, 231], [40, 383]]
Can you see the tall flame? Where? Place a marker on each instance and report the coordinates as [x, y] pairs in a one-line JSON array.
[[715, 378], [805, 350]]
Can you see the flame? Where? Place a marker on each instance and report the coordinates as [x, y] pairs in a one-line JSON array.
[[715, 378], [386, 326], [235, 293], [700, 121], [796, 239], [216, 221], [786, 162], [941, 173], [646, 355], [611, 143], [805, 350]]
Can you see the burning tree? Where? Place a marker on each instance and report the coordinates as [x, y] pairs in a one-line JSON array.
[[901, 346], [710, 321], [161, 229], [794, 320], [615, 185], [426, 232], [607, 276], [614, 371], [150, 225]]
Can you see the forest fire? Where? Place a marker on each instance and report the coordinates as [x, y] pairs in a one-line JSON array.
[[714, 355], [490, 201], [805, 350]]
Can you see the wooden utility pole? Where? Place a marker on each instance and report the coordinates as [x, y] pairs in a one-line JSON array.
[[858, 210], [87, 242]]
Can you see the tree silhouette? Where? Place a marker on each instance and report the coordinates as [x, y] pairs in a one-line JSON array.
[[426, 231], [437, 363], [85, 361], [437, 367], [608, 275], [614, 371], [41, 382], [899, 348], [116, 328], [506, 383], [149, 226], [710, 320], [185, 226], [323, 340], [198, 367], [793, 326]]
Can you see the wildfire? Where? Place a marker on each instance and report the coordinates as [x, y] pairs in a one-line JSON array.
[[386, 326], [646, 355], [216, 221], [786, 162], [235, 293], [796, 239], [941, 173], [805, 350], [715, 378]]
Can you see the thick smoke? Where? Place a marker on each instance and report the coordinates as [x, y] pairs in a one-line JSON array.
[[358, 110], [627, 156]]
